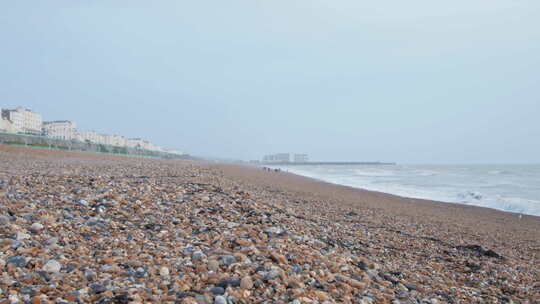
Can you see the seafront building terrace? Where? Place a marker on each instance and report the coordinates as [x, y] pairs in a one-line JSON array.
[[24, 121]]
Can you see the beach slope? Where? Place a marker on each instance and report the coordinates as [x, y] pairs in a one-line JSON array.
[[89, 228]]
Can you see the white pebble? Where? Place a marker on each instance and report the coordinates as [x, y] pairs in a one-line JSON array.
[[36, 226], [52, 266], [220, 300], [164, 271], [22, 236]]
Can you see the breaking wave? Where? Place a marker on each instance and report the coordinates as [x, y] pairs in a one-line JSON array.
[[508, 188]]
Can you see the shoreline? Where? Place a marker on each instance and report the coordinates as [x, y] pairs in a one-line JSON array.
[[397, 196], [90, 228], [476, 219], [405, 197]]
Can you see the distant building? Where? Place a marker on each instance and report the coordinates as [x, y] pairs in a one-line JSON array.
[[285, 158], [24, 120], [301, 158], [102, 138], [116, 140], [277, 158], [148, 145], [61, 129], [90, 136], [16, 119], [178, 152], [139, 143], [6, 125]]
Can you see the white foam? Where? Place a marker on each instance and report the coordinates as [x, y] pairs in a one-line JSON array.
[[468, 185]]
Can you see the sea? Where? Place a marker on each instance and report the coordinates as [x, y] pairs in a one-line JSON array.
[[513, 188]]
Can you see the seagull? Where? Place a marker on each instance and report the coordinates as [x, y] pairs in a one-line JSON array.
[[520, 216]]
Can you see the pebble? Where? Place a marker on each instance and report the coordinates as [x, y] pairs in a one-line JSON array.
[[213, 265], [228, 282], [203, 299], [228, 260], [217, 290], [98, 288], [4, 220], [164, 271], [227, 241], [89, 275], [246, 283], [198, 255], [36, 227], [52, 266], [22, 236], [274, 230], [220, 300], [17, 261]]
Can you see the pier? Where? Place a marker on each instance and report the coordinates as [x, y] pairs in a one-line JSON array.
[[326, 163]]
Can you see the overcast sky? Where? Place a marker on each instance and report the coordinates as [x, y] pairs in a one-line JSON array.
[[406, 81]]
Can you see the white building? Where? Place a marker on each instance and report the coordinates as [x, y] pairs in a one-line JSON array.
[[118, 141], [24, 120], [90, 136], [6, 126], [102, 138], [173, 151], [16, 119], [301, 158], [277, 158], [139, 143], [61, 129], [131, 143]]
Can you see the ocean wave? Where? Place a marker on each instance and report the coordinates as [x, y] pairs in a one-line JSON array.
[[468, 195], [518, 193], [374, 173], [426, 173], [515, 204], [499, 172]]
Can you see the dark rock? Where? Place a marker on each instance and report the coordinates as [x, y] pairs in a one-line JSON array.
[[410, 287], [362, 265], [17, 261], [98, 288], [4, 220], [16, 244], [27, 291], [217, 290], [44, 275], [182, 295], [473, 266], [89, 275], [402, 295], [229, 282], [121, 299], [228, 260], [479, 251]]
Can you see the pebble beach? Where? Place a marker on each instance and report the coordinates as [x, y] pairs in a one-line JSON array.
[[89, 228]]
